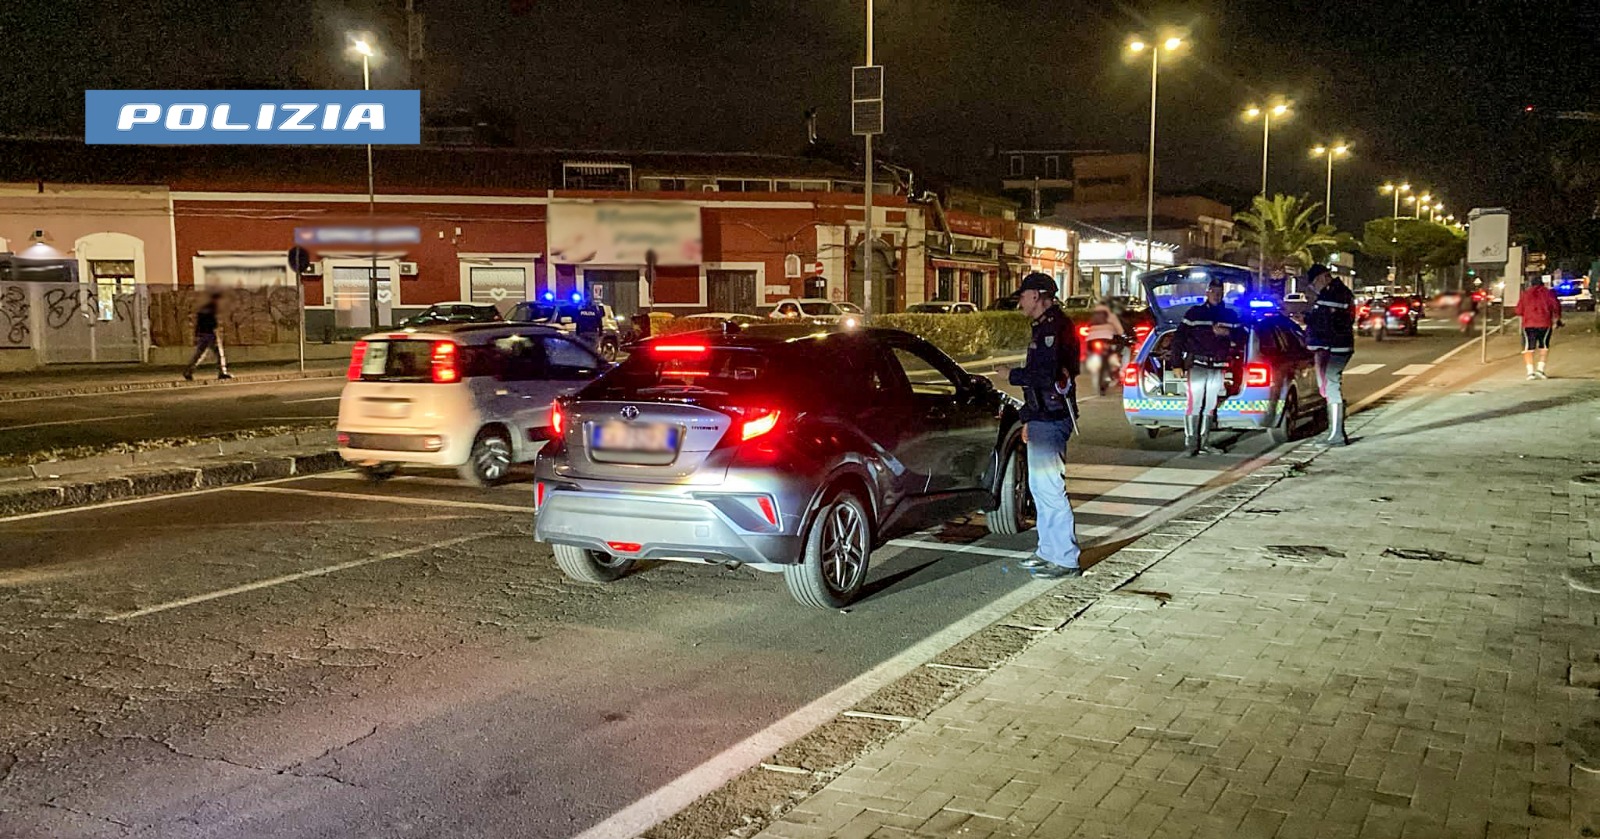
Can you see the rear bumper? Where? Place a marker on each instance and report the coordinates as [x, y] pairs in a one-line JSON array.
[[664, 528], [424, 449], [1242, 411]]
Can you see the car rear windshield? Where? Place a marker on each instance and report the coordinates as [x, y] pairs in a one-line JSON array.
[[687, 370], [818, 308], [412, 361]]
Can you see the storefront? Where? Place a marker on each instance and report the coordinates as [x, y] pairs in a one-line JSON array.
[[1111, 267]]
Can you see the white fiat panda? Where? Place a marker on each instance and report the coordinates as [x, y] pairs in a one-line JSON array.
[[475, 396]]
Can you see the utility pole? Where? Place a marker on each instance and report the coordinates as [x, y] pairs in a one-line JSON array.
[[867, 250]]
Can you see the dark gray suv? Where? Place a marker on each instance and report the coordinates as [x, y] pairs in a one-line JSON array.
[[793, 449]]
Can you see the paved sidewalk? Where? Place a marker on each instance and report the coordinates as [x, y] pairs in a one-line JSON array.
[[77, 379], [1383, 646]]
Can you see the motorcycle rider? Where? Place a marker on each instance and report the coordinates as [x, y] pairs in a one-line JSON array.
[[1105, 327], [1049, 416], [1331, 337], [1202, 348]]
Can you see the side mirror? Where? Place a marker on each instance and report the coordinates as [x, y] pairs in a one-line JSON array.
[[980, 384]]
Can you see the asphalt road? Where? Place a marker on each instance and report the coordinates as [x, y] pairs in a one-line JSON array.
[[327, 657]]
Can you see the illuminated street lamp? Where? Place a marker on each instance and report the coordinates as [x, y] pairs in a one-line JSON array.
[[362, 47], [1394, 223], [1280, 109], [1138, 45], [1335, 150]]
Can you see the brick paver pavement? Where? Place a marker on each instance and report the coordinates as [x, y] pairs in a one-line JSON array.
[[1312, 673]]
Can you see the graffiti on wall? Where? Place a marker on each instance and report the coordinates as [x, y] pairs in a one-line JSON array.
[[14, 313], [246, 316]]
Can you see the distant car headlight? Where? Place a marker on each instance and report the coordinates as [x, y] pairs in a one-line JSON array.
[[852, 322]]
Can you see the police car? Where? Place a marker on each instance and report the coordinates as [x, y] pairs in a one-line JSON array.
[[1274, 386]]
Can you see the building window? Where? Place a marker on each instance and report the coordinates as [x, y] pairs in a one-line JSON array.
[[245, 275], [947, 284], [802, 186], [980, 289], [743, 185], [112, 277], [614, 177], [664, 184], [1016, 164], [498, 285], [1052, 167]]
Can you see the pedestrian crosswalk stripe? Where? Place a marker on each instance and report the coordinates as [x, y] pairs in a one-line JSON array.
[[1128, 489], [1363, 369], [1413, 370], [1115, 508]]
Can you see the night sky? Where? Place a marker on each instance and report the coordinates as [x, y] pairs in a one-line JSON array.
[[1432, 90]]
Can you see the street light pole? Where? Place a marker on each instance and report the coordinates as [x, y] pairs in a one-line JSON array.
[[1394, 227], [868, 252], [1333, 151], [1150, 175], [365, 49]]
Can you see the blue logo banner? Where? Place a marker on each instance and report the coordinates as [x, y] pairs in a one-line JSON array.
[[253, 117]]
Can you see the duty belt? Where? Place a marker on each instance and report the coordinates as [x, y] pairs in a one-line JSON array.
[[1209, 362]]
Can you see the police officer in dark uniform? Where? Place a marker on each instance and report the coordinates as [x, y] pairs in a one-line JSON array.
[[587, 324], [1049, 415], [1331, 337], [1205, 345]]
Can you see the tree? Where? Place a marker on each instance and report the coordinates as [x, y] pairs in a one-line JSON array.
[[1414, 245], [1278, 234]]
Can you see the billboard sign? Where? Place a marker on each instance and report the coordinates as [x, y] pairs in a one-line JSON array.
[[624, 232], [252, 117], [356, 234]]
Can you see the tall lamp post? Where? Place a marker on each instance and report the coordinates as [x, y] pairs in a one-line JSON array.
[[1391, 188], [1331, 152], [365, 50], [1138, 45], [1265, 114]]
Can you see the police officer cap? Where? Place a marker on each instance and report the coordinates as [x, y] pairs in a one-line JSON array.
[[1216, 282], [1316, 271], [1038, 281]]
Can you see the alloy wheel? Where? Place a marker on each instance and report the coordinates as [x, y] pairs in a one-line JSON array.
[[844, 552]]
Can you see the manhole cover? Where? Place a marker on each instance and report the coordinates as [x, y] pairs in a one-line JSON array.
[[1429, 555], [1582, 745], [1303, 552], [1584, 578]]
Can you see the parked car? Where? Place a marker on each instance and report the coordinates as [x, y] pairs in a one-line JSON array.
[[614, 330], [942, 307], [718, 320], [471, 396], [818, 310], [1381, 317], [1274, 388], [456, 311], [1574, 297], [785, 448]]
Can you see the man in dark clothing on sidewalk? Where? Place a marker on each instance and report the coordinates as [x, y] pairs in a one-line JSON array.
[[1204, 346], [206, 338], [1331, 337], [1049, 416]]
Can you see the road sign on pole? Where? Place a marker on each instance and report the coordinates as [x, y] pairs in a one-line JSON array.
[[1488, 236], [866, 100]]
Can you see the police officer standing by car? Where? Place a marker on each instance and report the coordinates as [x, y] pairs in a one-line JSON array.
[[1331, 337], [1203, 348], [1049, 416]]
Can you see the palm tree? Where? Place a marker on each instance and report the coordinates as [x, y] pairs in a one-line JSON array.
[[1279, 235]]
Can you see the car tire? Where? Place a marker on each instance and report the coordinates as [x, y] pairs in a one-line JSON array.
[[489, 461], [609, 351], [1288, 416], [833, 565], [1011, 515], [1147, 438], [378, 472], [589, 566]]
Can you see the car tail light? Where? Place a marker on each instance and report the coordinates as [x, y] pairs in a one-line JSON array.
[[558, 419], [445, 369], [1097, 346], [538, 495], [679, 349], [1083, 332], [358, 356], [1257, 375], [344, 438], [757, 422], [1130, 375], [625, 547], [1361, 311], [769, 511], [1399, 311]]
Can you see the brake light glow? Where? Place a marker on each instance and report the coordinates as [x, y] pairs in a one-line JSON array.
[[1083, 332], [444, 365], [679, 349], [768, 510], [1130, 375], [625, 547], [1257, 375], [758, 422], [558, 419], [538, 495], [1400, 311], [358, 356]]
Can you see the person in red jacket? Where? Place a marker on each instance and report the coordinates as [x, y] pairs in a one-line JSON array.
[[1541, 313]]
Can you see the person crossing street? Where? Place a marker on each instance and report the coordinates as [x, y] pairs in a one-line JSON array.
[[1049, 416], [1331, 337], [1203, 348], [1541, 314], [207, 339]]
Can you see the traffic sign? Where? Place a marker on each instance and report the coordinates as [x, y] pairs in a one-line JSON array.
[[299, 260], [866, 100], [1488, 236]]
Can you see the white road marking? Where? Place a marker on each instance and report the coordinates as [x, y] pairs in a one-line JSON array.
[[390, 499], [951, 548], [422, 480], [1129, 489], [1170, 475], [1119, 509], [653, 808], [1413, 369], [316, 399], [287, 578], [73, 421], [1364, 369]]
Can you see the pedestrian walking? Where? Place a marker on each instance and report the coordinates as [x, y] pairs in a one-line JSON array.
[[1331, 337], [1205, 345], [1541, 314], [206, 338], [1049, 416]]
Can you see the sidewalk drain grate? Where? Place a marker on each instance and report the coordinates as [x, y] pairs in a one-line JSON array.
[[1584, 578], [1303, 552], [1429, 555]]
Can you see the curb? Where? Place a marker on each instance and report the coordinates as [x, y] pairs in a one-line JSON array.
[[166, 481], [175, 384], [764, 793], [168, 455]]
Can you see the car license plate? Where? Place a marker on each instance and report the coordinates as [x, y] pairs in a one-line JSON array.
[[635, 437]]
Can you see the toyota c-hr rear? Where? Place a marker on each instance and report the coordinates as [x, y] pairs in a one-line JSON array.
[[787, 449]]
